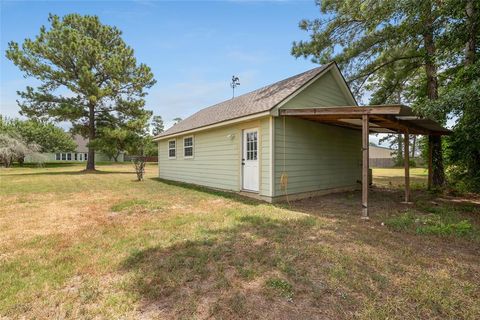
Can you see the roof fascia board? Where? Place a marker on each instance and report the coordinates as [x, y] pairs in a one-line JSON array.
[[343, 111], [215, 125]]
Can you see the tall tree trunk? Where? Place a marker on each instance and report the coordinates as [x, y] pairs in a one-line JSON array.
[[438, 175], [91, 137], [400, 150], [472, 27]]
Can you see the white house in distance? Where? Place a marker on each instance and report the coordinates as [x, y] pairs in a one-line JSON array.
[[79, 155], [299, 137], [381, 157]]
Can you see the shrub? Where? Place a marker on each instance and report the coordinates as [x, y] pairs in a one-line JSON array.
[[13, 148]]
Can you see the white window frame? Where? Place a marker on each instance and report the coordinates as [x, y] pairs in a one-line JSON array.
[[168, 149], [192, 146], [58, 156]]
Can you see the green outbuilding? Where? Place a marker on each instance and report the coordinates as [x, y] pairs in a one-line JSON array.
[[296, 138]]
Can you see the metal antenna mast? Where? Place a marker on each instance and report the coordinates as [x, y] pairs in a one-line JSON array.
[[235, 83]]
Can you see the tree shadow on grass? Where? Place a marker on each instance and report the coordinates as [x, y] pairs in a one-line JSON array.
[[296, 268], [68, 173], [252, 270], [46, 165]]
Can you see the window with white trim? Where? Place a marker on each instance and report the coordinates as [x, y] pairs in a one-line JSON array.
[[85, 156], [57, 156], [64, 156], [188, 147], [172, 149], [69, 156]]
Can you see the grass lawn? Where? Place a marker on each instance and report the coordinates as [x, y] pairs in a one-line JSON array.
[[395, 177], [76, 245]]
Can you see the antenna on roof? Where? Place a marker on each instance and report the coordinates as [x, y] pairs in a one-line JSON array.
[[235, 83]]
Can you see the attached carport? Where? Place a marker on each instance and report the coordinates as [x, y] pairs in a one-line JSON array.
[[375, 119]]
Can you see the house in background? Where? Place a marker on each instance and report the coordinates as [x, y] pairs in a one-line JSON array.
[[381, 157], [79, 155], [296, 138]]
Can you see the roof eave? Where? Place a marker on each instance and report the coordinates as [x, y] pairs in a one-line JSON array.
[[214, 125]]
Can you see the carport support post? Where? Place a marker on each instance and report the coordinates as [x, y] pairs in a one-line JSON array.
[[365, 132], [406, 163]]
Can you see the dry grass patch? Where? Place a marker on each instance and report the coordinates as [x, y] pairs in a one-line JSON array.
[[104, 246]]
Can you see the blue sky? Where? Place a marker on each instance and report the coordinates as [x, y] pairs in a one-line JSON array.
[[193, 47]]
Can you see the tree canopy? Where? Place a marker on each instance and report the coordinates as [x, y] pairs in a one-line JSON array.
[[14, 148], [89, 76], [47, 136], [401, 51], [157, 125]]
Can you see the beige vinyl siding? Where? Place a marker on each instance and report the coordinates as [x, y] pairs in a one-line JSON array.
[[324, 92], [216, 160], [317, 156]]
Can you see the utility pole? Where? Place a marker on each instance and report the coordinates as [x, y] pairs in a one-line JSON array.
[[235, 83]]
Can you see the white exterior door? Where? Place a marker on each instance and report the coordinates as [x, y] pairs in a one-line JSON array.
[[250, 160]]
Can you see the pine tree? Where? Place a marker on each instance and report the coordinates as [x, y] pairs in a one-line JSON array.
[[385, 45], [89, 76], [157, 124]]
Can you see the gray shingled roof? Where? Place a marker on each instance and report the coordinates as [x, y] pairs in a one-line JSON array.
[[260, 100], [81, 143]]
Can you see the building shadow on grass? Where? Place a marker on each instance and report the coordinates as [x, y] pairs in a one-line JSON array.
[[221, 193]]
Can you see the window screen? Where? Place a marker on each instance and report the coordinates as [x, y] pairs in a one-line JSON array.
[[172, 145], [188, 147]]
